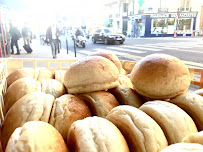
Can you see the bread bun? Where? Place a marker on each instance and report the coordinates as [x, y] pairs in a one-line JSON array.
[[124, 80], [193, 105], [160, 76], [112, 57], [19, 73], [31, 107], [175, 122], [18, 89], [95, 134], [52, 86], [91, 74], [67, 109], [199, 92], [184, 147], [43, 73], [127, 96], [36, 136], [194, 138], [141, 132], [59, 75], [100, 102]]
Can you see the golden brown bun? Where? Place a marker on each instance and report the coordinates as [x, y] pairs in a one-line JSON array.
[[93, 73], [141, 132], [193, 105], [199, 92], [112, 57], [194, 138], [100, 102], [36, 136], [127, 96], [175, 122], [18, 89], [124, 80], [53, 87], [123, 72], [59, 75], [95, 134], [19, 73], [67, 109], [184, 147], [31, 107], [43, 73], [160, 76]]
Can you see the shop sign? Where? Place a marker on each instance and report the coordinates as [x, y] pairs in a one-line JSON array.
[[138, 17], [183, 15], [159, 16]]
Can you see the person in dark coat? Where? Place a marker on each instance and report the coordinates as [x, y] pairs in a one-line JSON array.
[[27, 35], [52, 35], [15, 36]]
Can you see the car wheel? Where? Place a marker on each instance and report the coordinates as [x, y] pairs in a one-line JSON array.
[[83, 45], [93, 40], [121, 42], [106, 41]]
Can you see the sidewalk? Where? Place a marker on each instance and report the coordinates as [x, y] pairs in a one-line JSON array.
[[43, 51]]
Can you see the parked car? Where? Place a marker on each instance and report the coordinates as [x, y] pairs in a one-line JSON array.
[[107, 36]]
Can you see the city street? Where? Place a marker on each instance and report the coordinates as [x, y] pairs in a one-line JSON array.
[[187, 49]]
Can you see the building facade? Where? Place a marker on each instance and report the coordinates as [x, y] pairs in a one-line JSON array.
[[155, 18]]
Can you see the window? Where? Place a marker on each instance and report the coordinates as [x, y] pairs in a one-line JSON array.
[[185, 24], [98, 31], [125, 7], [185, 4]]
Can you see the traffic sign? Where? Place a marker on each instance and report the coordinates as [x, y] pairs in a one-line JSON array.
[[141, 2]]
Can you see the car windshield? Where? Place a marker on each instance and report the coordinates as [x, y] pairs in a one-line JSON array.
[[107, 31]]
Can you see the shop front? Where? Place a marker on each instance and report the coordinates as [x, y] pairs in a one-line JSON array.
[[164, 25]]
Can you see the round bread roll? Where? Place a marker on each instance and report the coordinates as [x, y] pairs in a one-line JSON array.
[[194, 138], [95, 134], [18, 89], [91, 74], [36, 136], [100, 102], [124, 80], [123, 72], [31, 107], [141, 132], [53, 87], [59, 75], [127, 96], [112, 57], [160, 76], [43, 73], [193, 105], [66, 110], [184, 147], [199, 92], [19, 73], [175, 122]]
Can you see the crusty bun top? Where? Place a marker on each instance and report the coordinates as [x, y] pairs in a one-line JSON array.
[[36, 136], [91, 74], [160, 76], [194, 138], [112, 57]]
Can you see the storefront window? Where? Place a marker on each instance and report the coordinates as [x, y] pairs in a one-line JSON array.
[[159, 26], [185, 24]]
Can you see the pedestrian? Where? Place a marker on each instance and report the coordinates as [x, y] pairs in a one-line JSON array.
[[27, 35], [15, 36], [52, 36]]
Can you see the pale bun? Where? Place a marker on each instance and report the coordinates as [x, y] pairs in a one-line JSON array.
[[93, 73], [95, 134], [43, 73], [35, 106], [175, 122], [141, 132], [59, 75], [124, 80], [112, 57], [160, 76], [53, 87], [194, 138], [19, 73], [36, 136], [100, 102], [184, 147], [18, 89], [67, 109], [127, 96], [193, 105]]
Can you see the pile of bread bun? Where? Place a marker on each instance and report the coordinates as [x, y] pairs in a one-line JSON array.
[[96, 106]]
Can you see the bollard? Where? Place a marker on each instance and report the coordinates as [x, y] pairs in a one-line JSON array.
[[74, 46], [67, 45]]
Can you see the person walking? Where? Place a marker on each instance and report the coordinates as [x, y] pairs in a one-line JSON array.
[[27, 35], [15, 36], [52, 35]]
